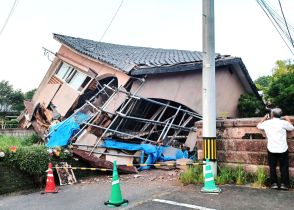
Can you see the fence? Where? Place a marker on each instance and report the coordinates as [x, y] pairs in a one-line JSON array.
[[8, 125]]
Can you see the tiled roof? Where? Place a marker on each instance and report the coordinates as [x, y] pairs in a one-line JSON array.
[[126, 58], [138, 61]]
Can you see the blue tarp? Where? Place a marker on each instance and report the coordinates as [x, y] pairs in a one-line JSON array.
[[63, 131], [155, 153]]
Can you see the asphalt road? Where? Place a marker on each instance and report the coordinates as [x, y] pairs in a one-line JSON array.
[[151, 190]]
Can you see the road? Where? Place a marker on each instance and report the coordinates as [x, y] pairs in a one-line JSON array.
[[155, 189]]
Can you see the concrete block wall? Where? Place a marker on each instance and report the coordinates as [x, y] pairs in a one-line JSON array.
[[17, 132], [240, 142]]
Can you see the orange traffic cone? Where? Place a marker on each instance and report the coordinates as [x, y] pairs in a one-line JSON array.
[[50, 183]]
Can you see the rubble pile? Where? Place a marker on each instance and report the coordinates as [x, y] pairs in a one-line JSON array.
[[113, 114]]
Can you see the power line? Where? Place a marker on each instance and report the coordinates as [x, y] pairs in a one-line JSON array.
[[286, 23], [9, 15], [111, 20], [278, 22]]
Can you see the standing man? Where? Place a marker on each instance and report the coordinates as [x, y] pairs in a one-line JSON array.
[[276, 133]]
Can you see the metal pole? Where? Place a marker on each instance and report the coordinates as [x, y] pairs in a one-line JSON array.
[[95, 114], [208, 84], [172, 121], [115, 131], [76, 111], [174, 126], [116, 117], [159, 118]]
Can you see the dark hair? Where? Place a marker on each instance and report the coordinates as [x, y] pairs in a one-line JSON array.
[[276, 112]]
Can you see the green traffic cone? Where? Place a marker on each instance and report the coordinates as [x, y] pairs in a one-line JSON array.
[[209, 185], [116, 199]]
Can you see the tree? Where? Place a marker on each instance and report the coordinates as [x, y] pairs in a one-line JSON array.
[[283, 68], [263, 82], [281, 93], [278, 89], [250, 106], [16, 101], [29, 95], [5, 92], [10, 100]]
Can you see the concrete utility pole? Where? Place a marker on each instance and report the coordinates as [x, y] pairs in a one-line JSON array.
[[208, 84]]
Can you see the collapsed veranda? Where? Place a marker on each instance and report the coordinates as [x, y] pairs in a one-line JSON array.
[[129, 94]]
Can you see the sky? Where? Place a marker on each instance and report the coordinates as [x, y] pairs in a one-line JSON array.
[[241, 30]]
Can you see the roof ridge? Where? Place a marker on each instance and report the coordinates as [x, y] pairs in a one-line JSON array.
[[55, 35]]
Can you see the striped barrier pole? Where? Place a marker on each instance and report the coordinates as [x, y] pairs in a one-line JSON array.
[[131, 165]]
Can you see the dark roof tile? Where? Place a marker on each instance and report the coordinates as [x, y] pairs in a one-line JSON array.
[[126, 58]]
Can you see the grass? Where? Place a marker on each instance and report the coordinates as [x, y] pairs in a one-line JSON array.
[[240, 175], [193, 175], [229, 175], [7, 141], [260, 178], [225, 176]]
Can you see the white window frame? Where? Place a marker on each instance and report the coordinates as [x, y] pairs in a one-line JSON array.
[[69, 74]]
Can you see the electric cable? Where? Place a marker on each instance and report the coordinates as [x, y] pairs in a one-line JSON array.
[[266, 10], [9, 16], [111, 20], [275, 19], [286, 23]]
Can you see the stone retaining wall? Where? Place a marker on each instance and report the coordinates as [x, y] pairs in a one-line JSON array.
[[12, 179], [240, 142]]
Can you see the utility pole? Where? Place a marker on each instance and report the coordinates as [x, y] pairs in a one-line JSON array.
[[208, 85]]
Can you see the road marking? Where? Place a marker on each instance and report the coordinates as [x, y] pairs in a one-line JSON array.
[[182, 204]]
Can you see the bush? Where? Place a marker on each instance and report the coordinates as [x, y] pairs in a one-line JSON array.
[[32, 159], [250, 106]]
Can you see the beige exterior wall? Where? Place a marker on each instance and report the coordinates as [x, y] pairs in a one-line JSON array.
[[186, 88], [85, 64], [40, 91], [46, 93]]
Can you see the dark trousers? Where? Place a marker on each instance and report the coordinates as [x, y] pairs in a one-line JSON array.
[[283, 159]]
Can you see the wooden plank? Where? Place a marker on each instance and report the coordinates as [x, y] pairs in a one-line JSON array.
[[102, 163]]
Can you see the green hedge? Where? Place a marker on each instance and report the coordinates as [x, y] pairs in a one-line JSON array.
[[30, 158], [28, 164]]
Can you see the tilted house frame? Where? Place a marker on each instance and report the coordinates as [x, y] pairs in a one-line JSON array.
[[173, 75], [159, 89]]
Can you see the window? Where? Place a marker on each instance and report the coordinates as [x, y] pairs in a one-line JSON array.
[[77, 80], [73, 77], [64, 71]]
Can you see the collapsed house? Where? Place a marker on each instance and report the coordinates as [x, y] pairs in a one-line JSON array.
[[112, 102]]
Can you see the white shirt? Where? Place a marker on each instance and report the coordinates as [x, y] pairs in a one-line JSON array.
[[275, 130]]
